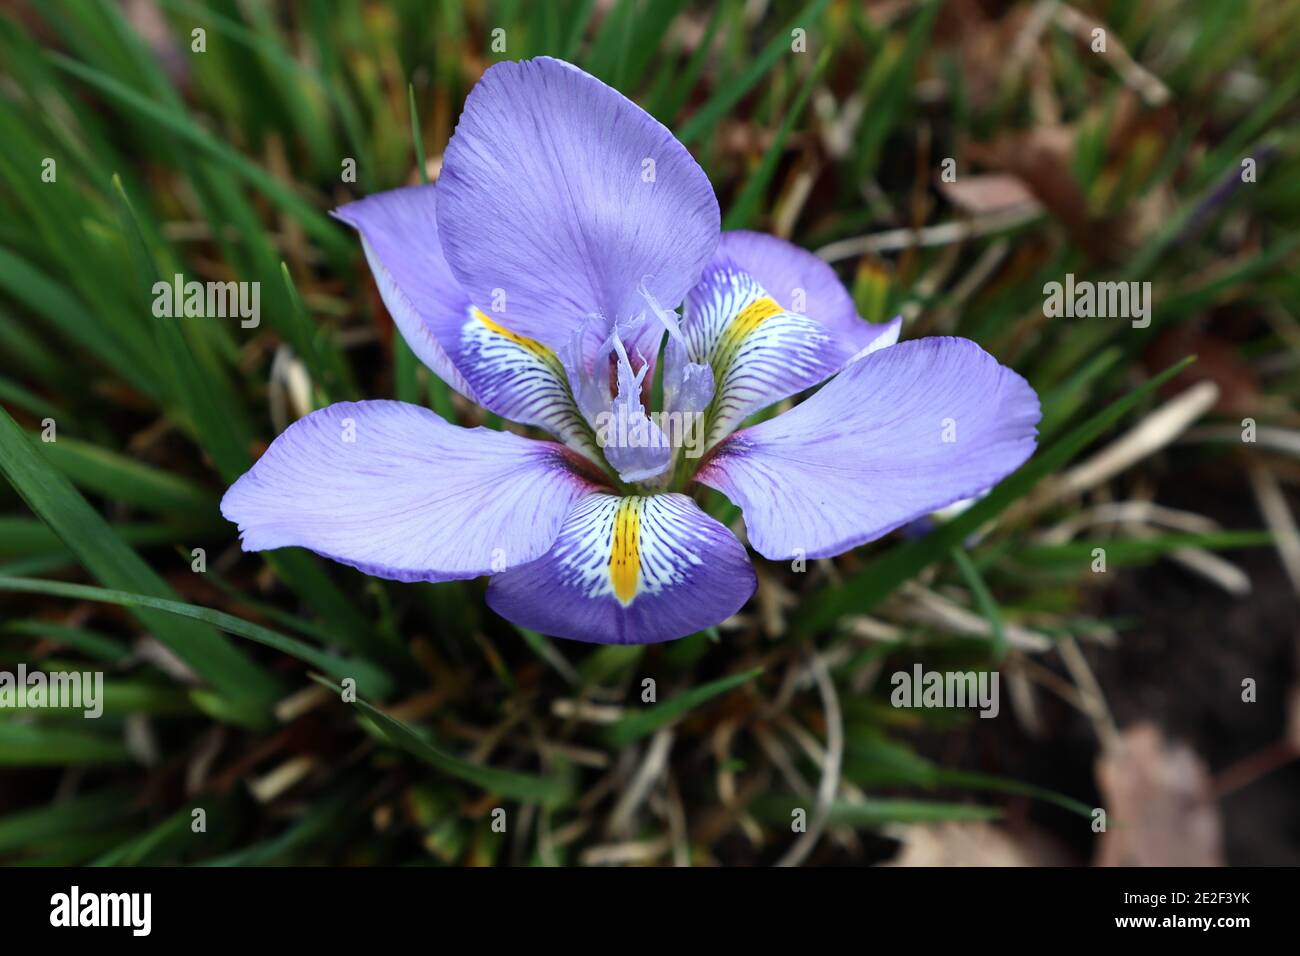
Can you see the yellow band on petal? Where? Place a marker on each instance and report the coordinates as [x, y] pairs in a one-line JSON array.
[[624, 555], [523, 341], [752, 315], [738, 329]]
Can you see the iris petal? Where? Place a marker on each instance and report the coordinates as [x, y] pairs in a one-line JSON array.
[[399, 233], [523, 380], [629, 570], [903, 432], [759, 352], [563, 195], [395, 491], [802, 283], [516, 377]]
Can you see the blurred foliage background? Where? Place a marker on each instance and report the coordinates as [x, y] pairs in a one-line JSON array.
[[826, 122]]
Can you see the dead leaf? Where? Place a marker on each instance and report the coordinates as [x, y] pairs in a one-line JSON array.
[[1160, 810], [1041, 159], [986, 193], [1217, 360], [973, 843], [1293, 719]]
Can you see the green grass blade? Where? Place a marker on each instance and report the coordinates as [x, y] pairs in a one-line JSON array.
[[367, 676], [1121, 551], [195, 389], [124, 479], [323, 818], [90, 643], [313, 221], [983, 600], [729, 93], [745, 205], [507, 783], [170, 839], [65, 311], [37, 745], [32, 827], [642, 723], [53, 499]]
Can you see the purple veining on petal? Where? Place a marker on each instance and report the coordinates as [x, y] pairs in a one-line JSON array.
[[760, 353]]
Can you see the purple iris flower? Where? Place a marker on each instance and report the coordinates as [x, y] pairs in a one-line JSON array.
[[540, 278]]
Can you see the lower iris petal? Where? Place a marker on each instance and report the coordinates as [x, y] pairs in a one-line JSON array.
[[629, 570]]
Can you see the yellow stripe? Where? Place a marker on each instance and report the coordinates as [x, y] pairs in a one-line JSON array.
[[747, 320], [624, 552], [754, 314], [532, 345]]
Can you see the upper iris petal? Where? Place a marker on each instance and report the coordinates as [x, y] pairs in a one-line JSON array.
[[399, 233], [559, 195]]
